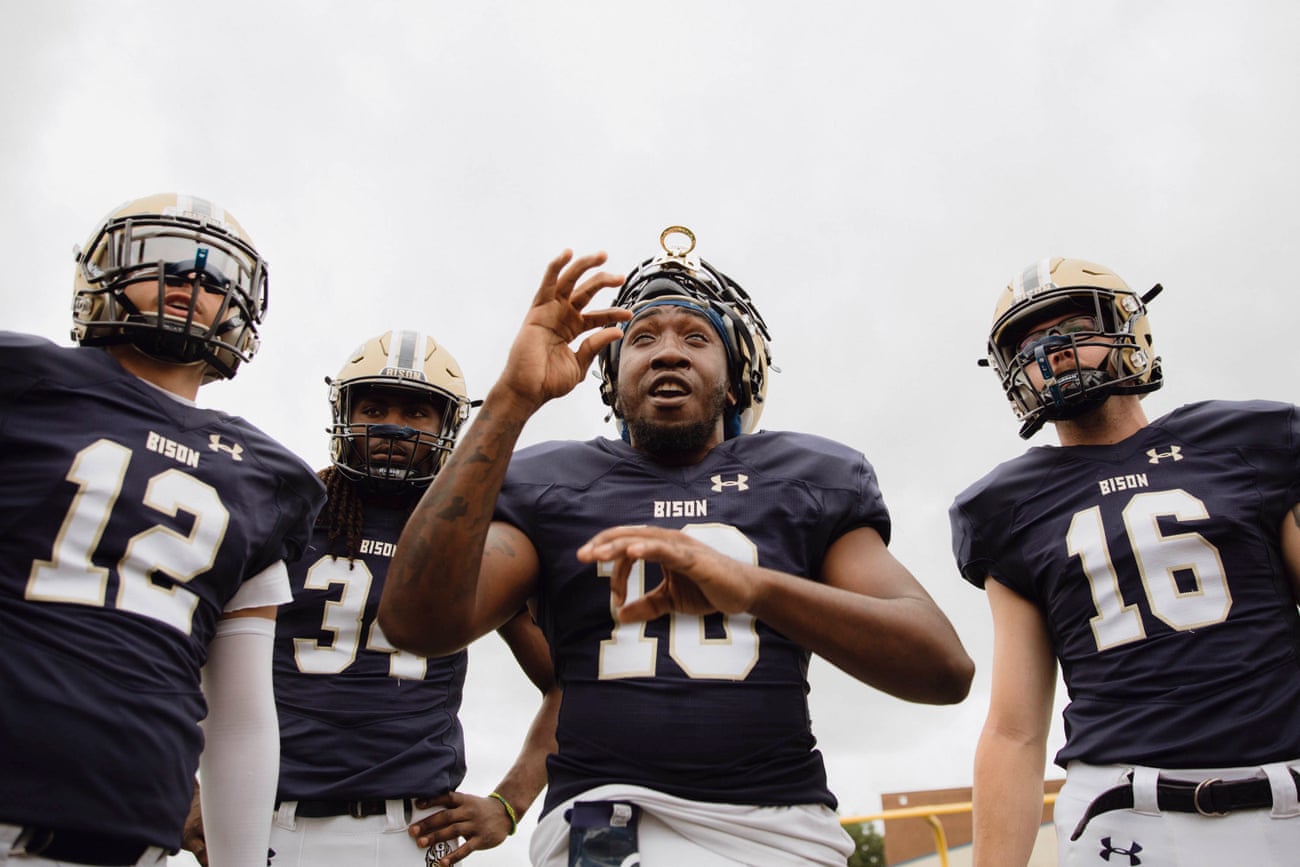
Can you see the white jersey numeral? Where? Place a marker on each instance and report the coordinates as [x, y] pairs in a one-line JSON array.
[[629, 652], [343, 620], [70, 575], [1204, 598]]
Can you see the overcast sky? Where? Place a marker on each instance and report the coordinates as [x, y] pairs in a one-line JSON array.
[[872, 173]]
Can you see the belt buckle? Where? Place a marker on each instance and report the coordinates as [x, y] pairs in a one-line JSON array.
[[1196, 798]]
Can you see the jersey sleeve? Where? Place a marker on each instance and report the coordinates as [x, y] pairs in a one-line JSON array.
[[287, 505], [838, 477], [981, 518], [21, 361], [867, 507], [1283, 463], [534, 470], [973, 561], [1275, 452], [1266, 434], [270, 587]]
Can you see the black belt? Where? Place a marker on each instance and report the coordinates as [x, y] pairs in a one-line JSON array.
[[356, 809], [1208, 797], [78, 847]]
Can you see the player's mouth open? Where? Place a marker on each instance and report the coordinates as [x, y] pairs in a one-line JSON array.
[[669, 389], [177, 303]]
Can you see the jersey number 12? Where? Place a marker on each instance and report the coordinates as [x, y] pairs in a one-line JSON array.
[[70, 575]]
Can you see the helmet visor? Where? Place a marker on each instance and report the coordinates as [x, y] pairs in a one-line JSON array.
[[131, 251]]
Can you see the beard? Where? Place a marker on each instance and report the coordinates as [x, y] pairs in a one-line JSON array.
[[668, 440]]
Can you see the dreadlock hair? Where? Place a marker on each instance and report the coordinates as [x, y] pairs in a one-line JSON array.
[[342, 514]]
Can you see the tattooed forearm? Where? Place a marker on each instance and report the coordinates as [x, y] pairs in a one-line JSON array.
[[457, 508], [432, 601]]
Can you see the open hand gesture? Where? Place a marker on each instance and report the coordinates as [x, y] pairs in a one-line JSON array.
[[542, 365]]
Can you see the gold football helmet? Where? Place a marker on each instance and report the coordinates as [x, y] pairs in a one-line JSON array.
[[171, 239], [1111, 315], [391, 457], [677, 276]]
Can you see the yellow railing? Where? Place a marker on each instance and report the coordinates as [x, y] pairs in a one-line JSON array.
[[931, 814]]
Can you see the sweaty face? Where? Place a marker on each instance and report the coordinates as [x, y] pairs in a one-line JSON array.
[[672, 383]]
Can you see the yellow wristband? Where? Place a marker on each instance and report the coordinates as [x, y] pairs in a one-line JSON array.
[[510, 811]]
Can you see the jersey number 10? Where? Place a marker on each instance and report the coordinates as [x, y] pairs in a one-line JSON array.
[[629, 652]]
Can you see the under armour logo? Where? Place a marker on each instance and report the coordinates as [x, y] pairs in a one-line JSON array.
[[1155, 457], [739, 483], [1131, 851], [236, 451]]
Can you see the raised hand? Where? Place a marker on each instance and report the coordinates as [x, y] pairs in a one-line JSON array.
[[542, 364]]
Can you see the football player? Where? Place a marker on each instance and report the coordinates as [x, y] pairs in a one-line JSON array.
[[143, 553], [1159, 564], [370, 739], [683, 575]]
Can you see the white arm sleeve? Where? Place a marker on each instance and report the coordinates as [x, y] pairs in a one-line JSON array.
[[241, 755]]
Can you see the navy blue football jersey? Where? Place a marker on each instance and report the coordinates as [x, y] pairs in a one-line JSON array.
[[711, 708], [128, 520], [1156, 565], [359, 718]]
